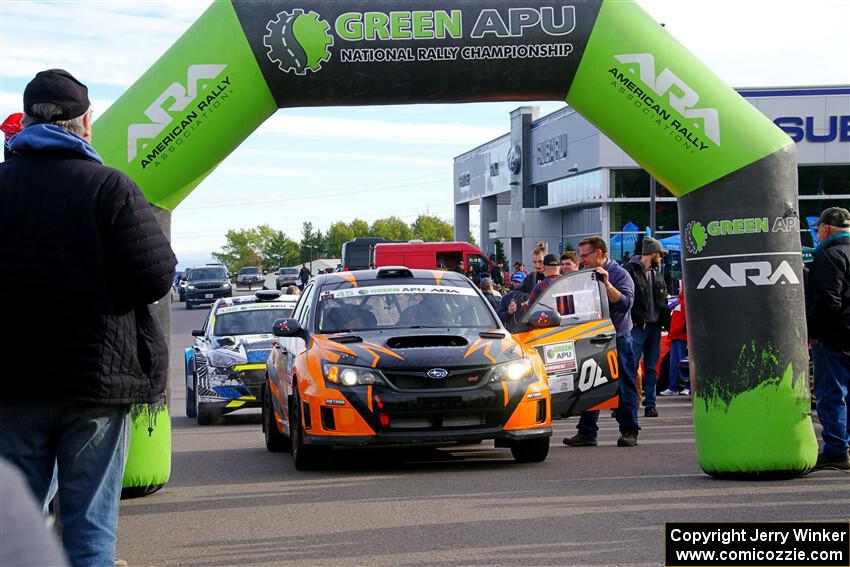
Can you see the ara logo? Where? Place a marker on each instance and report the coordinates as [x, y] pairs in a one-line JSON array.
[[744, 273], [160, 117], [682, 97], [298, 41], [591, 376]]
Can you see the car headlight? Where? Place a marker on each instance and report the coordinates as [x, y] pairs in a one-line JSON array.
[[190, 287], [223, 358], [225, 286], [350, 375], [513, 371]]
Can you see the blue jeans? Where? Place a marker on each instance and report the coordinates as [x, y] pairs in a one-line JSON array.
[[832, 388], [87, 442], [647, 344], [678, 351], [626, 413]]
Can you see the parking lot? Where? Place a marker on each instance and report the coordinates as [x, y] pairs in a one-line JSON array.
[[230, 502]]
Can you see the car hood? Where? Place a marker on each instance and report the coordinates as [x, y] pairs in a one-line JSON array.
[[254, 348], [419, 348]]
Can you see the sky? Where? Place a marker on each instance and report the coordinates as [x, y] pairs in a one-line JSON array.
[[339, 163]]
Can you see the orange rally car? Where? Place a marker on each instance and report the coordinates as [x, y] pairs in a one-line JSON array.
[[397, 356]]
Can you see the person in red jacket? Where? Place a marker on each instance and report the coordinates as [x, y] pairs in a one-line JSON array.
[[678, 348]]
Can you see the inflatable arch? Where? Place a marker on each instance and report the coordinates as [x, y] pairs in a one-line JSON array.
[[733, 171]]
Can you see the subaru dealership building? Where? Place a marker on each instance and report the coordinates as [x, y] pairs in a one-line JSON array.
[[558, 179]]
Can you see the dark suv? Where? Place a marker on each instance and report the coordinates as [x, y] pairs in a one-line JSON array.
[[206, 284]]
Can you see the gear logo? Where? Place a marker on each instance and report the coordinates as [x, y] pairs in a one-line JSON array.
[[298, 41], [695, 237]]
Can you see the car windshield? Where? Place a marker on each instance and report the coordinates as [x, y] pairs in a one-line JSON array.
[[240, 320], [288, 271], [244, 271], [402, 306], [207, 274]]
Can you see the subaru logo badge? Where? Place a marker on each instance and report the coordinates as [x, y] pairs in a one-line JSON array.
[[437, 373]]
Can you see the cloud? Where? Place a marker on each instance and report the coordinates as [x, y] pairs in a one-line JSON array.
[[394, 131]]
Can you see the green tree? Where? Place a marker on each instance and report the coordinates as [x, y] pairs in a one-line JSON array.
[[280, 251], [338, 234], [391, 228], [242, 248], [432, 229], [312, 242], [471, 239], [500, 252], [359, 227]]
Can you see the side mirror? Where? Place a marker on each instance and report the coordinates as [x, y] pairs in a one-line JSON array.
[[544, 318], [197, 333], [287, 328]]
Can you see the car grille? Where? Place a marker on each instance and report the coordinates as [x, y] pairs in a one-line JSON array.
[[208, 286], [458, 379]]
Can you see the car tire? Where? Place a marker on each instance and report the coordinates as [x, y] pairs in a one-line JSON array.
[[190, 395], [531, 450], [202, 414], [189, 305], [276, 442], [306, 457]]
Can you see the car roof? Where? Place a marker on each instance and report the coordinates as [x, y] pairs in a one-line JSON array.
[[282, 300], [392, 274]]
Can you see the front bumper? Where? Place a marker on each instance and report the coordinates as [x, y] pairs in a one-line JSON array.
[[231, 391], [389, 438], [207, 295]]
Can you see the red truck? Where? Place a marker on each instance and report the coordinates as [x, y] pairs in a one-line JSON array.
[[433, 256]]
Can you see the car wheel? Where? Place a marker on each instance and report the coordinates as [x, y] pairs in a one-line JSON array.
[[530, 450], [202, 414], [190, 394], [276, 442], [306, 457]]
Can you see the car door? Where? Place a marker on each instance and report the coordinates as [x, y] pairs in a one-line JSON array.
[[579, 353]]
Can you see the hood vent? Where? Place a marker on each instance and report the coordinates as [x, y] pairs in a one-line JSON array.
[[347, 339], [426, 341]]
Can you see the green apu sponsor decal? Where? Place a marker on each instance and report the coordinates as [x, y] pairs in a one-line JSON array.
[[188, 111], [697, 234], [299, 41], [662, 106]]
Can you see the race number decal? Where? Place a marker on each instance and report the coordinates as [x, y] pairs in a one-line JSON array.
[[613, 365], [591, 376]]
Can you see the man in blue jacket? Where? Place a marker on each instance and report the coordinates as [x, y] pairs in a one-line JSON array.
[[621, 292], [828, 318], [66, 219]]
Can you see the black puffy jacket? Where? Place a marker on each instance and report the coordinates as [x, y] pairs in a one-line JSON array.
[[640, 307], [81, 255], [828, 294]]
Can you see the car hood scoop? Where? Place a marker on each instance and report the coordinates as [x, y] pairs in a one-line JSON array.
[[426, 341]]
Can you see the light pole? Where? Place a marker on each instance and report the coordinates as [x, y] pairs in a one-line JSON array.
[[311, 248]]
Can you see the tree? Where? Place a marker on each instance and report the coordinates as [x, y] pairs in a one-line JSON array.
[[432, 229], [471, 239], [500, 252], [359, 227], [280, 250], [391, 228], [338, 234], [241, 249], [312, 243]]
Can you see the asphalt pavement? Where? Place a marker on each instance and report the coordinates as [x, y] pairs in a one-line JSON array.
[[230, 502]]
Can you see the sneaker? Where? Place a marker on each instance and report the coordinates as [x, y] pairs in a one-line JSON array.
[[833, 461], [628, 439], [667, 392], [650, 412], [580, 441], [685, 392]]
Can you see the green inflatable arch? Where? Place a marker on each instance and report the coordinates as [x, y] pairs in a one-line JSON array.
[[733, 171]]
